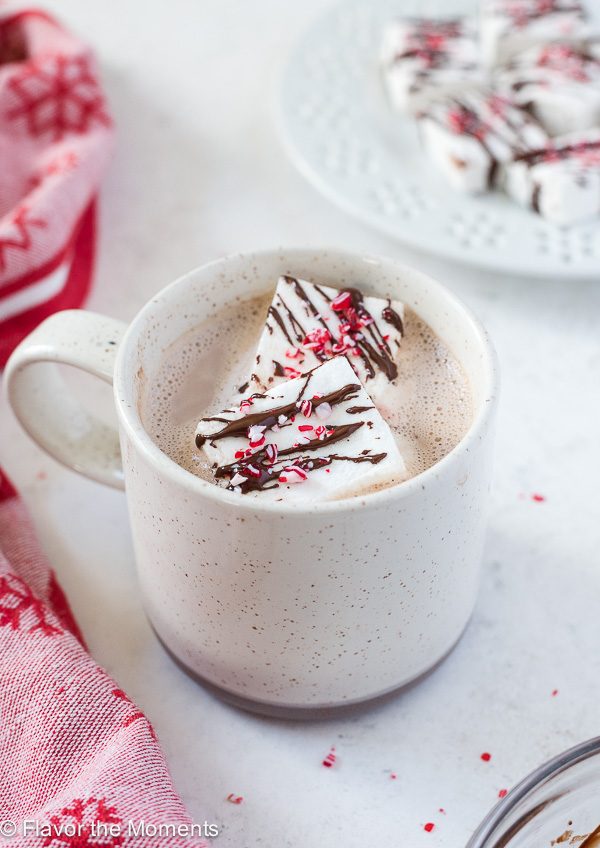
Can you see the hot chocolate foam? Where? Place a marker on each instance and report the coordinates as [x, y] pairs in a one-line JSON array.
[[429, 406]]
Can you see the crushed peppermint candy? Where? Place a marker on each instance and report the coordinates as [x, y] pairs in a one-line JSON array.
[[293, 474], [330, 759], [306, 408], [271, 453], [342, 301], [256, 435]]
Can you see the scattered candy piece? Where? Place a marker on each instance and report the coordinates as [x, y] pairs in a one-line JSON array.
[[486, 757], [330, 759], [428, 827], [538, 498], [235, 799], [393, 776], [554, 693], [503, 793]]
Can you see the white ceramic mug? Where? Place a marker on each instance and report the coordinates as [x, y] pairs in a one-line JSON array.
[[281, 608]]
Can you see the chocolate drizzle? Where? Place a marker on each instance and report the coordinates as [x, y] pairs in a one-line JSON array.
[[391, 316], [365, 335], [378, 350], [268, 417], [259, 470], [508, 127], [552, 153]]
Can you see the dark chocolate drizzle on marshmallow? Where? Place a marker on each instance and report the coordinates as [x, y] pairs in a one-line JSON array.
[[468, 120], [257, 469], [371, 345]]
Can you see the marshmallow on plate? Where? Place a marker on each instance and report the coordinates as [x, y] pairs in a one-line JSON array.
[[559, 83], [308, 324], [421, 56], [508, 26], [469, 135], [561, 181], [313, 438]]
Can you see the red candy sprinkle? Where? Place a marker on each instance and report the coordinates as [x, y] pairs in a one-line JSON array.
[[239, 454], [317, 339], [393, 776], [503, 793], [271, 452], [538, 498], [256, 435], [428, 827], [235, 799], [293, 474], [554, 693], [342, 301], [304, 428], [330, 759], [290, 372], [486, 757], [293, 352], [306, 408], [252, 471]]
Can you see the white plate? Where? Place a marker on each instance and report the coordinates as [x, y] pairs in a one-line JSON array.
[[345, 139]]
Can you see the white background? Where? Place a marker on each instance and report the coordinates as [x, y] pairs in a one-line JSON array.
[[199, 172]]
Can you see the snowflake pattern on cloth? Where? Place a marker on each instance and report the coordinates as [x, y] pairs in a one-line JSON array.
[[55, 141], [75, 751]]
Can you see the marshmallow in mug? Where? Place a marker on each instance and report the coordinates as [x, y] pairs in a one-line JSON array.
[[422, 56], [561, 181], [308, 323], [469, 135], [559, 83], [312, 438], [509, 26]]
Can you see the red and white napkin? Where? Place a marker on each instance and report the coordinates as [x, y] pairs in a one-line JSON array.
[[75, 752], [78, 760], [55, 140]]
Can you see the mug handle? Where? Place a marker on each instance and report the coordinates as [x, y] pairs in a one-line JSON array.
[[48, 410]]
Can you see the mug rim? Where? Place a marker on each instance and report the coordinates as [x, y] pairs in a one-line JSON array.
[[131, 421]]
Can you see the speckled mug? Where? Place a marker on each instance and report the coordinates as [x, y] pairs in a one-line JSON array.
[[283, 609]]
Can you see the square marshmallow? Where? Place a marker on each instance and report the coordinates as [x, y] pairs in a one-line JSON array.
[[314, 438], [509, 26], [561, 181], [468, 136], [559, 83], [308, 324], [422, 56]]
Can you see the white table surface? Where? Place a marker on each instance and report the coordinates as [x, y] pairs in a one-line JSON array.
[[198, 173]]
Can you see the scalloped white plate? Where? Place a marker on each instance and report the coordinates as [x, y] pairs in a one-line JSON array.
[[345, 139]]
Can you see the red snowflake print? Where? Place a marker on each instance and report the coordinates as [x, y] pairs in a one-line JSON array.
[[85, 824], [135, 714], [16, 233], [17, 600], [58, 95]]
